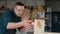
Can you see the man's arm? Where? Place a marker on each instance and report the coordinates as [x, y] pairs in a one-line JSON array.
[[11, 25]]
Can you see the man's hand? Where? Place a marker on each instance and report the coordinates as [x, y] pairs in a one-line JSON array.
[[22, 29], [27, 24]]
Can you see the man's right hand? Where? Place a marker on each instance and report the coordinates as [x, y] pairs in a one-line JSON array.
[[27, 24]]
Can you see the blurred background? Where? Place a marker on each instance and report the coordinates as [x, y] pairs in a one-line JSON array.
[[48, 10]]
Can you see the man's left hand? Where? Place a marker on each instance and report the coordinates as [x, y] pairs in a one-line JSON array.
[[22, 29]]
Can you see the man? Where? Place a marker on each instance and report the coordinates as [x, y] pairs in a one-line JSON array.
[[11, 20]]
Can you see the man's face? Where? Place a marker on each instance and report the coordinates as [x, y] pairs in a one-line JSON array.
[[19, 10]]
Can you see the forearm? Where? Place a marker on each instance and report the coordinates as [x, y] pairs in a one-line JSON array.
[[13, 25]]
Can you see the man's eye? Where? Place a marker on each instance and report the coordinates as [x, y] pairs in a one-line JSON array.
[[18, 10]]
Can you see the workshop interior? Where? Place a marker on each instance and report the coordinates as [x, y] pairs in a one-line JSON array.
[[45, 14]]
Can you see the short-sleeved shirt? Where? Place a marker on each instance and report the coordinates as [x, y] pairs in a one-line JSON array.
[[8, 16]]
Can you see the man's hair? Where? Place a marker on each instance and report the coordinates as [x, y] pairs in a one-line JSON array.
[[19, 4]]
